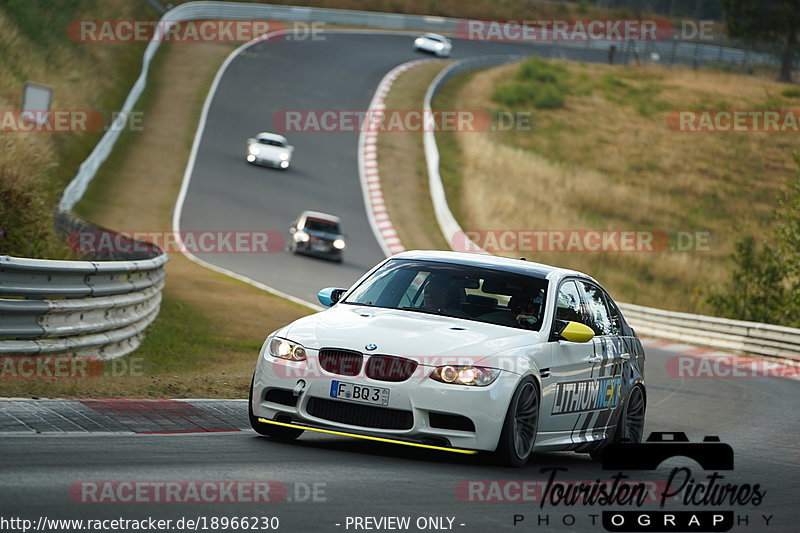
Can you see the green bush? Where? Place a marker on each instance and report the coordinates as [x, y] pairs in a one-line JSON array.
[[538, 83], [765, 281], [549, 97], [514, 94], [538, 70], [791, 92]]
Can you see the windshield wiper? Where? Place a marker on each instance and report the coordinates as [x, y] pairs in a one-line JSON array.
[[362, 304], [423, 310]]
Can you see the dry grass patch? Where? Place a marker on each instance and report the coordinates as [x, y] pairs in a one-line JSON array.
[[607, 160], [35, 166]]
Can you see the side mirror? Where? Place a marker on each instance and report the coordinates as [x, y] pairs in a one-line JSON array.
[[251, 140], [330, 295], [576, 332]]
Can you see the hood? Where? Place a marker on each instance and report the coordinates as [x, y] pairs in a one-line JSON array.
[[428, 339], [267, 150], [326, 235]]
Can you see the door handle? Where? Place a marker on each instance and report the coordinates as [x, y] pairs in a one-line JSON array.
[[595, 359]]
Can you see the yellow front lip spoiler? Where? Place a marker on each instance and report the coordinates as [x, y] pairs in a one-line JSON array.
[[367, 437]]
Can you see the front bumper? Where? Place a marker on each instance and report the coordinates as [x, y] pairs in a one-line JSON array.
[[416, 398], [319, 249], [274, 163], [365, 435]]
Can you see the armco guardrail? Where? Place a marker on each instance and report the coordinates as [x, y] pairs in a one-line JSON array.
[[82, 308], [735, 335], [750, 338]]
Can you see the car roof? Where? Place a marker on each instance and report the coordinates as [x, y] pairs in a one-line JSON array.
[[321, 216], [516, 266], [435, 36], [271, 136]]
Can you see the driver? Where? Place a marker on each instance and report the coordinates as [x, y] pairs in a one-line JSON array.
[[526, 310]]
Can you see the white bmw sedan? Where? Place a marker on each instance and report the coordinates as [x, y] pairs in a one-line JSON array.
[[269, 149], [433, 43], [458, 352]]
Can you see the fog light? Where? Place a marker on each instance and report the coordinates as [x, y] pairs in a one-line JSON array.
[[251, 158]]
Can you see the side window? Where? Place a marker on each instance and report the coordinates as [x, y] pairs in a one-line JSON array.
[[613, 313], [600, 320], [568, 306]]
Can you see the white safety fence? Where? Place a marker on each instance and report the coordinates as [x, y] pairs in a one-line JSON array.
[[749, 338]]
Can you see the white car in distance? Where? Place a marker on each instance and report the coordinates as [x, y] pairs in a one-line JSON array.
[[433, 43], [269, 149]]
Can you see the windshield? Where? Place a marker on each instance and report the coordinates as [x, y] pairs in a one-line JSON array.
[[459, 291], [272, 142], [318, 224]]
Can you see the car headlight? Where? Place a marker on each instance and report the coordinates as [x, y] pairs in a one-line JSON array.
[[419, 40], [283, 156], [300, 236], [253, 149], [286, 349], [338, 244], [476, 376]]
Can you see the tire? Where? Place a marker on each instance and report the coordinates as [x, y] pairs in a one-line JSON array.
[[630, 427], [520, 426], [268, 430]]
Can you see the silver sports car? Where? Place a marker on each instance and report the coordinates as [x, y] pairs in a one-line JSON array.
[[269, 149]]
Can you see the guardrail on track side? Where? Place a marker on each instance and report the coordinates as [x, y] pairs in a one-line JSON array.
[[750, 338], [98, 308]]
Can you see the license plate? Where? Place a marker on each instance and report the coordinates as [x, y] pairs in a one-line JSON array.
[[359, 393], [321, 246]]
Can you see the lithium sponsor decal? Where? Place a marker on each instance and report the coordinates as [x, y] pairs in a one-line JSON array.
[[587, 395]]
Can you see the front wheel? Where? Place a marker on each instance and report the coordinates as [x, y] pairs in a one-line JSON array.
[[520, 426], [268, 430]]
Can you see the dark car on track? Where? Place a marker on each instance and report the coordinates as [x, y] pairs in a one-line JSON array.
[[318, 234]]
